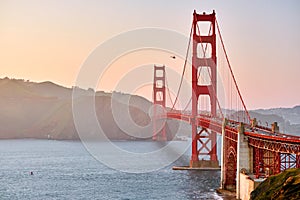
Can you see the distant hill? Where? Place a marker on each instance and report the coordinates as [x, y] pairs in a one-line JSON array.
[[288, 118], [43, 110], [289, 114]]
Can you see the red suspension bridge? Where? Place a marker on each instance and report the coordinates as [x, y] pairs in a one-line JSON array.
[[246, 144]]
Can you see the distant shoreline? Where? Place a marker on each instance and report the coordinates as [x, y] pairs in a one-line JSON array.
[[44, 110]]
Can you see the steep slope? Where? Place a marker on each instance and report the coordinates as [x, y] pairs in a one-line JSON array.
[[285, 185]]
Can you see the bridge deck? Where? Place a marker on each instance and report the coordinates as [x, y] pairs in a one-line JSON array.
[[280, 142]]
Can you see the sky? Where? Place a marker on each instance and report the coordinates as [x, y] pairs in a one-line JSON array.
[[50, 40]]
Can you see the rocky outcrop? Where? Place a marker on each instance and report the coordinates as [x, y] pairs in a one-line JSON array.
[[285, 185]]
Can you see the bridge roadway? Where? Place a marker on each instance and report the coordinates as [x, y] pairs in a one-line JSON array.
[[258, 136]]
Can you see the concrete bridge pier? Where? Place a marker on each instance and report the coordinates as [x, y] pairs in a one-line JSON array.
[[244, 160], [236, 155], [223, 155]]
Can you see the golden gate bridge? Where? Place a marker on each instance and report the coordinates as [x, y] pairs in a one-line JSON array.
[[246, 145]]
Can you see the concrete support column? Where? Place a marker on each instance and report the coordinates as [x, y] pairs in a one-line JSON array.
[[223, 154], [243, 157]]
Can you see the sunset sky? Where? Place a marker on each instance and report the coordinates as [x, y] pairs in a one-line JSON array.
[[50, 40]]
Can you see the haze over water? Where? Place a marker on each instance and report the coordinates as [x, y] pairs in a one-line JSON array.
[[65, 170]]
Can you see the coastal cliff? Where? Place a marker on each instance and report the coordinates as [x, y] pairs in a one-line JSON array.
[[285, 185]]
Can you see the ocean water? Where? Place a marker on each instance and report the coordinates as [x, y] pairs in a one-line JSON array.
[[65, 170]]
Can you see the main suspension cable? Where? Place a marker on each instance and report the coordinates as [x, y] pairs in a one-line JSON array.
[[184, 67], [226, 56]]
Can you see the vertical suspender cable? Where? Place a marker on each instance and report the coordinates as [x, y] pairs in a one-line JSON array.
[[204, 52], [223, 46]]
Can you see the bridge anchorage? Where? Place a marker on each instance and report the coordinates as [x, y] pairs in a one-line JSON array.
[[249, 152]]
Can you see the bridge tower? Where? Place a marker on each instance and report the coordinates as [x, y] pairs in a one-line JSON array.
[[159, 100], [204, 142]]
